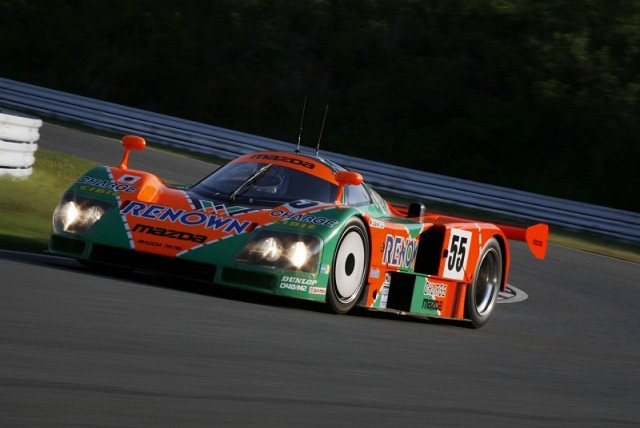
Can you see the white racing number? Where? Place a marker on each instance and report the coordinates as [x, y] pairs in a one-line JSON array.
[[457, 254]]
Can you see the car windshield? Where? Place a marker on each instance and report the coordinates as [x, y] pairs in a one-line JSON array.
[[264, 183], [380, 203]]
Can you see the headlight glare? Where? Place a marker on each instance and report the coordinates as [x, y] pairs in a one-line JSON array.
[[298, 254], [269, 249], [76, 214], [282, 251], [68, 213]]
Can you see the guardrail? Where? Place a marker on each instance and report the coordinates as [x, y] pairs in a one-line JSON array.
[[18, 136], [186, 134]]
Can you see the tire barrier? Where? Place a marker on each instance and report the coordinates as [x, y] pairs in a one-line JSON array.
[[227, 144], [18, 136]]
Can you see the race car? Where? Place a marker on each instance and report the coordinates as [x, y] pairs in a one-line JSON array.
[[294, 225]]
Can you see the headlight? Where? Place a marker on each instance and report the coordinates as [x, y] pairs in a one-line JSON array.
[[298, 254], [282, 251], [76, 214], [269, 249]]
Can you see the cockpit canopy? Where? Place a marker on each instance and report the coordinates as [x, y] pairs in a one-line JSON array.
[[266, 182], [268, 179]]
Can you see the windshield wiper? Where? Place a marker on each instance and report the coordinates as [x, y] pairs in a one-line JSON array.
[[254, 177]]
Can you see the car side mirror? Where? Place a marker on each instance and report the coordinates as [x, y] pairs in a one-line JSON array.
[[346, 178], [349, 177], [131, 142]]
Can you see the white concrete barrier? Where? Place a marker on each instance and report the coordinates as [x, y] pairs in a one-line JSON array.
[[18, 136]]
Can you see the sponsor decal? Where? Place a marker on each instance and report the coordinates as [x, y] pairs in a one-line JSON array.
[[297, 280], [293, 287], [286, 159], [457, 254], [387, 280], [376, 223], [158, 244], [304, 218], [317, 290], [297, 284], [149, 243], [435, 290], [432, 305], [298, 224], [301, 284], [399, 251], [169, 233], [184, 217], [384, 291], [384, 296], [128, 178], [374, 273], [99, 190], [325, 269], [104, 184]]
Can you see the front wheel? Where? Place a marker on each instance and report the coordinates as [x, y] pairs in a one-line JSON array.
[[350, 264], [483, 292]]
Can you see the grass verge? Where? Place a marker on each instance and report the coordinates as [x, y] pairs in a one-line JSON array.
[[27, 204]]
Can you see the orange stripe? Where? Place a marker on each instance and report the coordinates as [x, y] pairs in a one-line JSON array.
[[292, 160]]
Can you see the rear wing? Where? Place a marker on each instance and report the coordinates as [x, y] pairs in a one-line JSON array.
[[535, 236]]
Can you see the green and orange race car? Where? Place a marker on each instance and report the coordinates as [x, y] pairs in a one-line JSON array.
[[293, 225]]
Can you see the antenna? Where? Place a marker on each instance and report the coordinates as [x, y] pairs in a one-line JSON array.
[[304, 106], [322, 129]]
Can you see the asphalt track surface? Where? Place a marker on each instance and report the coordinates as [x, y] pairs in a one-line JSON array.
[[78, 349]]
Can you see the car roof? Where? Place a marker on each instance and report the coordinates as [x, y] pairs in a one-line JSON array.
[[312, 165]]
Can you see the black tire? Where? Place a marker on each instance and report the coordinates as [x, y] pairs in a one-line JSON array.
[[350, 267], [483, 292]]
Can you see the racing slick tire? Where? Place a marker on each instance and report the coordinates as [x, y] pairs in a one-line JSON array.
[[483, 291], [350, 267]]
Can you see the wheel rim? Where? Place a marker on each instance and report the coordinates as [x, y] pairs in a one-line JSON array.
[[487, 283], [349, 267]]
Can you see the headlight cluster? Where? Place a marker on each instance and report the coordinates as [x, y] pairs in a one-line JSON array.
[[283, 251], [76, 214]]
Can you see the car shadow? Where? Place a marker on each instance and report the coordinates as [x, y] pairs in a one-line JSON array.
[[211, 290]]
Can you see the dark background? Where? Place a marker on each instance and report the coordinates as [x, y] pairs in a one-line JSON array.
[[534, 95]]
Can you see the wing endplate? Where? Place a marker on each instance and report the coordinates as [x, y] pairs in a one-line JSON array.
[[535, 236]]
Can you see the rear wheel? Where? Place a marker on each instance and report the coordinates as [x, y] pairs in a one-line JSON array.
[[350, 264], [483, 292]]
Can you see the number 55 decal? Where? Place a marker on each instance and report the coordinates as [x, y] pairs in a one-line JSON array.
[[457, 254]]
